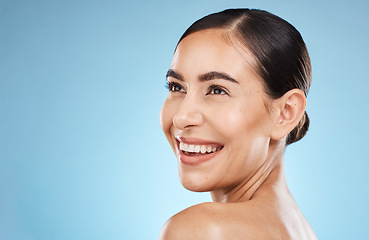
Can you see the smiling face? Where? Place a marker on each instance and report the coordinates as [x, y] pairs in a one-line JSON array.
[[216, 115]]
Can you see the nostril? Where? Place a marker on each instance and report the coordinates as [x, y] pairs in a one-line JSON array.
[[185, 120], [179, 122]]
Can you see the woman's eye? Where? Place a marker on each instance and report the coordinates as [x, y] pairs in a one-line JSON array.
[[216, 90], [174, 87]]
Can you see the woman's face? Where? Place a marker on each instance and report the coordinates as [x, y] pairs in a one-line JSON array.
[[216, 115]]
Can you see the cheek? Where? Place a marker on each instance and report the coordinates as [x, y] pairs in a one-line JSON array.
[[240, 121], [245, 130], [166, 118]]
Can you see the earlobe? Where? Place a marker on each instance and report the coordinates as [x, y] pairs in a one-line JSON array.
[[289, 109]]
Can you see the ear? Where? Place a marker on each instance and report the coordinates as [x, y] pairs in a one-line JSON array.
[[288, 110]]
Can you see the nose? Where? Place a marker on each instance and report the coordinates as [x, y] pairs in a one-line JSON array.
[[188, 114]]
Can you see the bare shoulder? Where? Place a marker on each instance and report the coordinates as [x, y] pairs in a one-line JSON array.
[[249, 220], [206, 221]]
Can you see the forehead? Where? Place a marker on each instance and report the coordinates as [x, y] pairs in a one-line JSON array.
[[212, 50]]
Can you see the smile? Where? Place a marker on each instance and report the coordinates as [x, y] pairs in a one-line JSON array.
[[194, 151], [190, 149]]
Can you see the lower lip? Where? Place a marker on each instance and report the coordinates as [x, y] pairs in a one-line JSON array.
[[195, 160]]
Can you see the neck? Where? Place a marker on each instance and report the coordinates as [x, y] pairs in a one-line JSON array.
[[269, 176]]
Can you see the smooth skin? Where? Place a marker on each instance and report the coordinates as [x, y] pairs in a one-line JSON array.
[[246, 178]]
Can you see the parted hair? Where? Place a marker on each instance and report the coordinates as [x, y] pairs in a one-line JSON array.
[[282, 58]]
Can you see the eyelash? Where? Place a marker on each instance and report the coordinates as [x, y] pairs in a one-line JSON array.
[[171, 86], [214, 87]]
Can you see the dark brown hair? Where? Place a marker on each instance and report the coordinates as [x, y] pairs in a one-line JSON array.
[[281, 54]]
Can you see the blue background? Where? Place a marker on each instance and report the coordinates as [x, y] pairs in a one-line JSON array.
[[82, 155]]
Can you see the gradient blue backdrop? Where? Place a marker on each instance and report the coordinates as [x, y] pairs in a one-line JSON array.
[[82, 155]]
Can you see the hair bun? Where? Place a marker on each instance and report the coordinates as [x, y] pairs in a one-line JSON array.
[[300, 130]]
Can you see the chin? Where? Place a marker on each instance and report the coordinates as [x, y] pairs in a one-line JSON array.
[[195, 187], [196, 183]]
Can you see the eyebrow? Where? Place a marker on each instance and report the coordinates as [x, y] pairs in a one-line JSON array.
[[204, 77], [216, 75], [173, 74]]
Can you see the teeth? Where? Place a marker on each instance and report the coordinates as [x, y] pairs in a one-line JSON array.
[[191, 148], [197, 148], [203, 149], [183, 146]]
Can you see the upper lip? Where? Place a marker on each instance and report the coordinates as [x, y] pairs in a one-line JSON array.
[[196, 141]]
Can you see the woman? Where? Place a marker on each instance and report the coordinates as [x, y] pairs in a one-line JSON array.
[[237, 94]]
